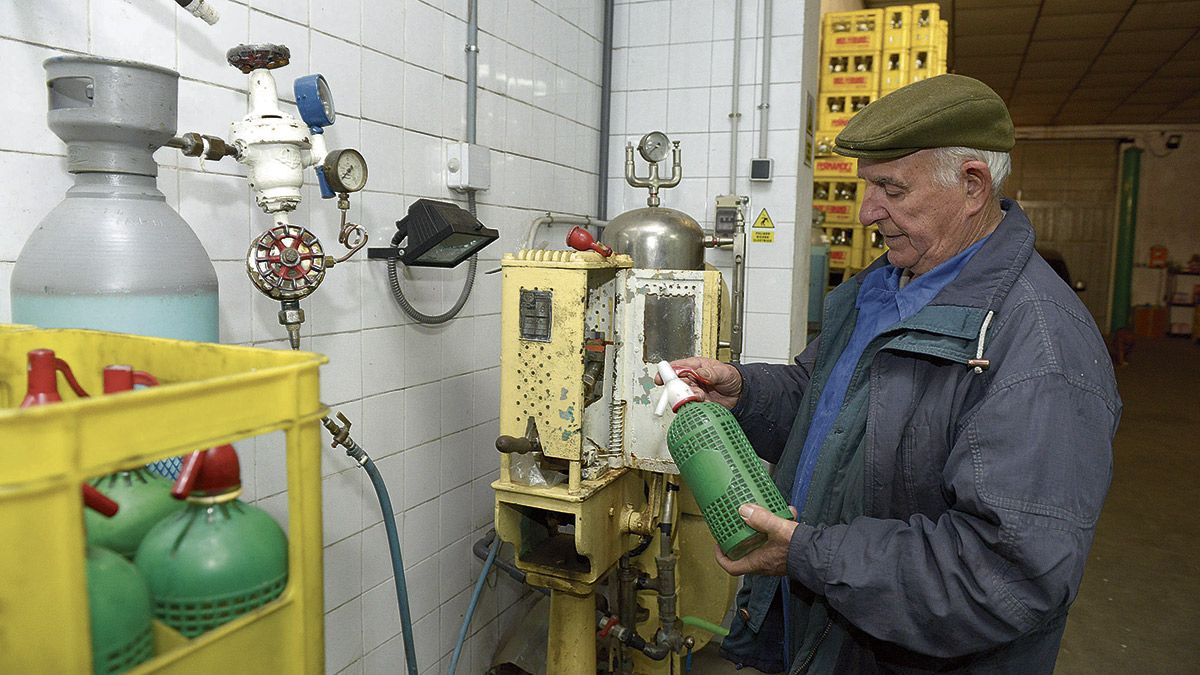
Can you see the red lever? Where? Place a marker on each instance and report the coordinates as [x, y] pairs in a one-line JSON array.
[[211, 471], [582, 240], [96, 501], [123, 378], [43, 381]]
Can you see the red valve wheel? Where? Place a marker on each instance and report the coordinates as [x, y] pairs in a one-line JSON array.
[[286, 262]]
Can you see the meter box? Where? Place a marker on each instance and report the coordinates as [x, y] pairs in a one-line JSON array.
[[925, 28], [897, 29], [836, 166], [856, 31], [851, 72], [838, 199], [894, 70], [837, 109]]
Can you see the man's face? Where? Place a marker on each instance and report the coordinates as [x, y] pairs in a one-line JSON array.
[[922, 222]]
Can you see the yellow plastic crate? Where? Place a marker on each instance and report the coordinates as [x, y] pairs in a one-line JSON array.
[[855, 31], [844, 246], [894, 70], [870, 245], [851, 72], [925, 29], [210, 394], [926, 62], [839, 199], [837, 108], [835, 167], [897, 29], [824, 142]]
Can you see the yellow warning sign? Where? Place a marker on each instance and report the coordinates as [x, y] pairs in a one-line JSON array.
[[763, 221], [763, 237]]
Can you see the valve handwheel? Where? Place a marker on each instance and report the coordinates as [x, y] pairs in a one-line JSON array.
[[247, 58], [286, 262]]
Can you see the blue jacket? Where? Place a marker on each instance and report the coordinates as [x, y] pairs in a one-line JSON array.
[[950, 530]]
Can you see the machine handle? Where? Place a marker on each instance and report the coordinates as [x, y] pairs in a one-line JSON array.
[[514, 444], [582, 240]]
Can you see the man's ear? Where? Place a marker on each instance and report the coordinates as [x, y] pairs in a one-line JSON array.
[[977, 178]]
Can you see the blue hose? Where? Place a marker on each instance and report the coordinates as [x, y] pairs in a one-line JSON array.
[[466, 625], [389, 523]]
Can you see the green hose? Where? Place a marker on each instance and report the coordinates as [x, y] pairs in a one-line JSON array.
[[697, 622]]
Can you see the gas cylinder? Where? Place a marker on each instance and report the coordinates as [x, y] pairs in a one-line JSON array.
[[113, 255], [217, 559], [118, 603], [145, 498], [718, 463]]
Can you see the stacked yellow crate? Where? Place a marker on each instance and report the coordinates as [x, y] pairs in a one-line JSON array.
[[864, 55], [851, 67]]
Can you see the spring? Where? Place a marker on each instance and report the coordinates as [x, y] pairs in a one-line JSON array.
[[616, 426]]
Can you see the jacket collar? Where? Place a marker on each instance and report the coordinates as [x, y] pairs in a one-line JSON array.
[[963, 309]]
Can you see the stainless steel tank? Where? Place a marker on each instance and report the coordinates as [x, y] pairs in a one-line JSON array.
[[657, 237]]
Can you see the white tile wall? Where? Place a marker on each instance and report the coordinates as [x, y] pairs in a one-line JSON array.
[[673, 71], [424, 399]]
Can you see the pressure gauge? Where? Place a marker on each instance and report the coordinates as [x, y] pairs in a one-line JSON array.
[[315, 102], [654, 146], [345, 170]]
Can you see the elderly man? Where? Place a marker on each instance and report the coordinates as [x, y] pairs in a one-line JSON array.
[[946, 441]]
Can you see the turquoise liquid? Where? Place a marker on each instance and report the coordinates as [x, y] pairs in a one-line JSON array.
[[182, 317]]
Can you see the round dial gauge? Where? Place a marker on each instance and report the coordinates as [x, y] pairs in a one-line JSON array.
[[314, 100], [345, 170], [654, 146]]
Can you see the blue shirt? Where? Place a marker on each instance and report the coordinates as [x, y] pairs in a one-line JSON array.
[[881, 304]]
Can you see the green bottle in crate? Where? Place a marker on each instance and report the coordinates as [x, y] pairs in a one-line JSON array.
[[719, 465]]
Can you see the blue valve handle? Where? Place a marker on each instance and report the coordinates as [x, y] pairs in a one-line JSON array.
[[326, 191]]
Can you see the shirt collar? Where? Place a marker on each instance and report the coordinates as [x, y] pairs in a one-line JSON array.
[[916, 292]]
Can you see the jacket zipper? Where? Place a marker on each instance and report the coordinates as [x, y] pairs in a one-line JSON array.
[[813, 652]]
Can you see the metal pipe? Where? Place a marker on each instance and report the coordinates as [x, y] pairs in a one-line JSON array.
[[764, 105], [559, 219], [737, 303], [1131, 164], [734, 115], [472, 66], [605, 110]]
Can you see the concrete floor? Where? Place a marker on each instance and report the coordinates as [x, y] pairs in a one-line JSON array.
[[1138, 610]]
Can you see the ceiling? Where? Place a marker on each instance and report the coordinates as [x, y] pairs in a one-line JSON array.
[[1080, 62]]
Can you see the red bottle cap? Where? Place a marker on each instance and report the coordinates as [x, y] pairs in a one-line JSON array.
[[212, 471], [43, 382], [582, 240], [123, 378], [96, 501]]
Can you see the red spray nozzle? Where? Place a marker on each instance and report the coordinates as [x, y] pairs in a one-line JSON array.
[[96, 501], [210, 471], [123, 378], [43, 369], [582, 240]]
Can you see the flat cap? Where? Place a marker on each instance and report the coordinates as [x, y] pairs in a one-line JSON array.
[[940, 112]]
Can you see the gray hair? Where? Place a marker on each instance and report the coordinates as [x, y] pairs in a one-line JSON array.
[[947, 165]]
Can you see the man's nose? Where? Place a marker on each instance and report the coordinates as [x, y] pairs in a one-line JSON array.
[[871, 210]]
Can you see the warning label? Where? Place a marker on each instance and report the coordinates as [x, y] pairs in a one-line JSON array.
[[763, 221], [762, 237]]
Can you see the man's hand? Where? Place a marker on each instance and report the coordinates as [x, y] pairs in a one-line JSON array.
[[714, 381], [769, 559]]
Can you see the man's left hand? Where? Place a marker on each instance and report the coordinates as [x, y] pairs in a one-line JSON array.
[[769, 559]]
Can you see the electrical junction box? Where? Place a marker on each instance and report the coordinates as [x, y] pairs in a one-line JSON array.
[[761, 169], [729, 213], [468, 167]]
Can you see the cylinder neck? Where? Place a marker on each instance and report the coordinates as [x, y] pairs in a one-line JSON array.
[[124, 185]]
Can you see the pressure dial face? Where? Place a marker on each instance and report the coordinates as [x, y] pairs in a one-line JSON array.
[[345, 170], [654, 146], [315, 101]]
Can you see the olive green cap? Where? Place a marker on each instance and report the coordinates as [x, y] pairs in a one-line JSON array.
[[940, 112]]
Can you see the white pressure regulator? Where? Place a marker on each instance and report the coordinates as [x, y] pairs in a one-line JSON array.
[[287, 261]]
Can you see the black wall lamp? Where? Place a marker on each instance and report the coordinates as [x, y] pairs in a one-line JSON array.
[[438, 234]]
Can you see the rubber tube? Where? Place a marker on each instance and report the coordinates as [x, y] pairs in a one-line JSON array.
[[389, 523], [697, 622], [466, 624]]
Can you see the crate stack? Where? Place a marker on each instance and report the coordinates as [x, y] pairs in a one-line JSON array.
[[865, 54]]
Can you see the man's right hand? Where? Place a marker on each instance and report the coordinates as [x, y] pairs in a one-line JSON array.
[[722, 383]]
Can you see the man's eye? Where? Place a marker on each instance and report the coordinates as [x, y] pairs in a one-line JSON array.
[[892, 192]]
